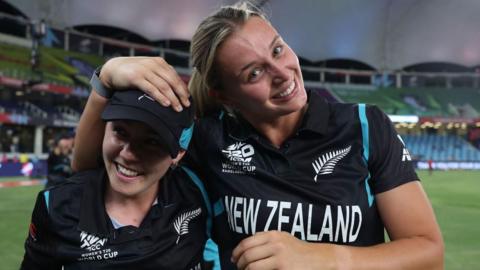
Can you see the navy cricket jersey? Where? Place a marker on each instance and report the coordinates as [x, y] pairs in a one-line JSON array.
[[320, 185], [71, 228]]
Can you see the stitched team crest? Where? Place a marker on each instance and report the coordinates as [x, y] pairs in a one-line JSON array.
[[181, 222], [326, 162]]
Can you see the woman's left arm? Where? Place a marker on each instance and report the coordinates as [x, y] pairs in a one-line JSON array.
[[416, 241]]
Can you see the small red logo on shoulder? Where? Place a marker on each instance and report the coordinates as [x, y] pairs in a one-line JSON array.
[[32, 230]]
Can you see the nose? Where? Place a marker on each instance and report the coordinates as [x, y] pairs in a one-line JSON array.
[[128, 152], [279, 72]]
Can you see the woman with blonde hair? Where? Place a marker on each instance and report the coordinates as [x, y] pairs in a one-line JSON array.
[[295, 182]]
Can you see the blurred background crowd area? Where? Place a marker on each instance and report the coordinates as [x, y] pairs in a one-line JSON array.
[[433, 98]]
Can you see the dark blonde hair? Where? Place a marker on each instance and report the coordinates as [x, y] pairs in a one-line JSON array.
[[209, 35]]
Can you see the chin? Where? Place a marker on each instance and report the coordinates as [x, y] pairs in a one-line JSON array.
[[121, 190], [300, 101]]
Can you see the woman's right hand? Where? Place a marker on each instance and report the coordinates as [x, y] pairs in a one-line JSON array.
[[153, 75]]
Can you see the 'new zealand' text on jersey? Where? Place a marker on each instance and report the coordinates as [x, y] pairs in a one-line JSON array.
[[319, 185], [71, 229]]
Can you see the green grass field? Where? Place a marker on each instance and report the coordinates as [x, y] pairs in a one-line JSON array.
[[455, 196], [16, 206]]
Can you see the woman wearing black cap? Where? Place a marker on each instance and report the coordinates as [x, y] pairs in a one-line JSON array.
[[296, 182], [134, 211]]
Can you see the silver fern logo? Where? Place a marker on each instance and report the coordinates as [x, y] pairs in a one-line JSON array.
[[181, 222], [326, 163]]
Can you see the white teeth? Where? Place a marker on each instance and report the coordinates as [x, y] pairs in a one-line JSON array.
[[288, 91], [126, 171]]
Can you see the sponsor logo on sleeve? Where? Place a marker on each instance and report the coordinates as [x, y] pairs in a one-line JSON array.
[[32, 231], [405, 154]]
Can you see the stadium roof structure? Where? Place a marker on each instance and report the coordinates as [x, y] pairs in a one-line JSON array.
[[384, 34]]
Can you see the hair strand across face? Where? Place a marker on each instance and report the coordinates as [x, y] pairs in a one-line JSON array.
[[210, 34]]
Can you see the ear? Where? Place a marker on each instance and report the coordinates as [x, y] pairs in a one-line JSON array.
[[180, 155], [220, 96]]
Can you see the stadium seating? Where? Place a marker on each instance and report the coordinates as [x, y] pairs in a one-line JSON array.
[[56, 66], [72, 71], [445, 102], [441, 148]]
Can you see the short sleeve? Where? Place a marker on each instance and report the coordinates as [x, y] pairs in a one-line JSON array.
[[390, 163], [40, 247]]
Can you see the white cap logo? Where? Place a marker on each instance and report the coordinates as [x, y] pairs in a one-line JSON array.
[[145, 96]]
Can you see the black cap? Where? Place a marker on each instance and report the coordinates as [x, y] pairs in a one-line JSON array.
[[175, 128]]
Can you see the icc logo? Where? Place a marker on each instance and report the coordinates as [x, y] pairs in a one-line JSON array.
[[239, 152]]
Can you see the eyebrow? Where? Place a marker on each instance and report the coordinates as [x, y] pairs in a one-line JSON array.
[[277, 37]]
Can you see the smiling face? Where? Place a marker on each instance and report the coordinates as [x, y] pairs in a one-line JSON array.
[[261, 76], [134, 158]]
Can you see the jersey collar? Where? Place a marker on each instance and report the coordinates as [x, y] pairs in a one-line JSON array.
[[94, 218], [317, 115]]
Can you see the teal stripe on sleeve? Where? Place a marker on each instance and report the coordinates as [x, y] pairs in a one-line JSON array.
[[218, 207], [210, 252], [369, 191], [202, 189], [46, 196], [364, 122], [186, 137], [366, 147]]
